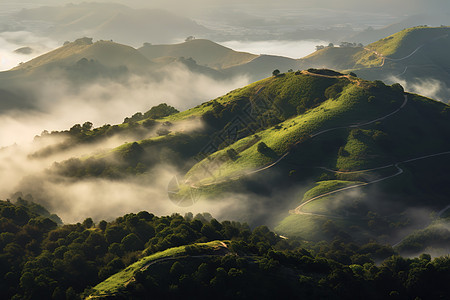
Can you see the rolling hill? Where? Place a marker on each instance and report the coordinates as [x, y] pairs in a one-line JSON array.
[[354, 144], [84, 62], [204, 52], [107, 53], [415, 55]]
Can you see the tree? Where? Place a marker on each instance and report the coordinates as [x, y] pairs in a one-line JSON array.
[[75, 129], [132, 243], [320, 47], [262, 147], [88, 223], [189, 38], [87, 126], [276, 72], [102, 225]]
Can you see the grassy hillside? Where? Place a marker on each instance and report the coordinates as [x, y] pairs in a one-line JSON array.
[[204, 52], [406, 41], [396, 46], [289, 139], [107, 53], [340, 58], [415, 55]]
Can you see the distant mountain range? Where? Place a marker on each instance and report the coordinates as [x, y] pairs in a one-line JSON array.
[[413, 55], [114, 21]]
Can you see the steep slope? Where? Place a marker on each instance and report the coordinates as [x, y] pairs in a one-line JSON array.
[[204, 52]]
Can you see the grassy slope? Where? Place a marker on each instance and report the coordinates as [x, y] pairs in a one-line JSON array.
[[350, 107], [397, 45], [114, 283], [435, 238], [205, 52], [340, 58], [108, 53], [404, 42]]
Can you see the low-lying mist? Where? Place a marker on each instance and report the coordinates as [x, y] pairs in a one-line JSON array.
[[427, 87], [292, 49], [106, 101], [12, 41], [61, 106]]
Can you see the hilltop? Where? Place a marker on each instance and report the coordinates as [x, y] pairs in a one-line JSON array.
[[413, 54], [204, 52], [107, 53]]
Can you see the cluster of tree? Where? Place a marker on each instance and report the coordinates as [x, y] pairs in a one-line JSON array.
[[350, 45], [156, 112], [135, 127], [85, 70], [341, 45], [320, 47], [435, 237], [274, 274], [137, 157], [40, 260]]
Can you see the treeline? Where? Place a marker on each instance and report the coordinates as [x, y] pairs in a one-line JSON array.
[[136, 127], [40, 260], [250, 273]]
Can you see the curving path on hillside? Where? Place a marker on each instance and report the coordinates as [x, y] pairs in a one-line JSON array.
[[271, 165], [298, 209], [407, 56]]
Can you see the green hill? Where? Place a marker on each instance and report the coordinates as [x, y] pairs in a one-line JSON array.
[[398, 46], [204, 52], [414, 55], [283, 135], [119, 281], [107, 53]]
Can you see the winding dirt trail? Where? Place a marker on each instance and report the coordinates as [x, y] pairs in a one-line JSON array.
[[407, 56], [298, 209], [273, 164]]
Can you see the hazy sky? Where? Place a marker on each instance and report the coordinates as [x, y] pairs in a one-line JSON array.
[[395, 7]]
